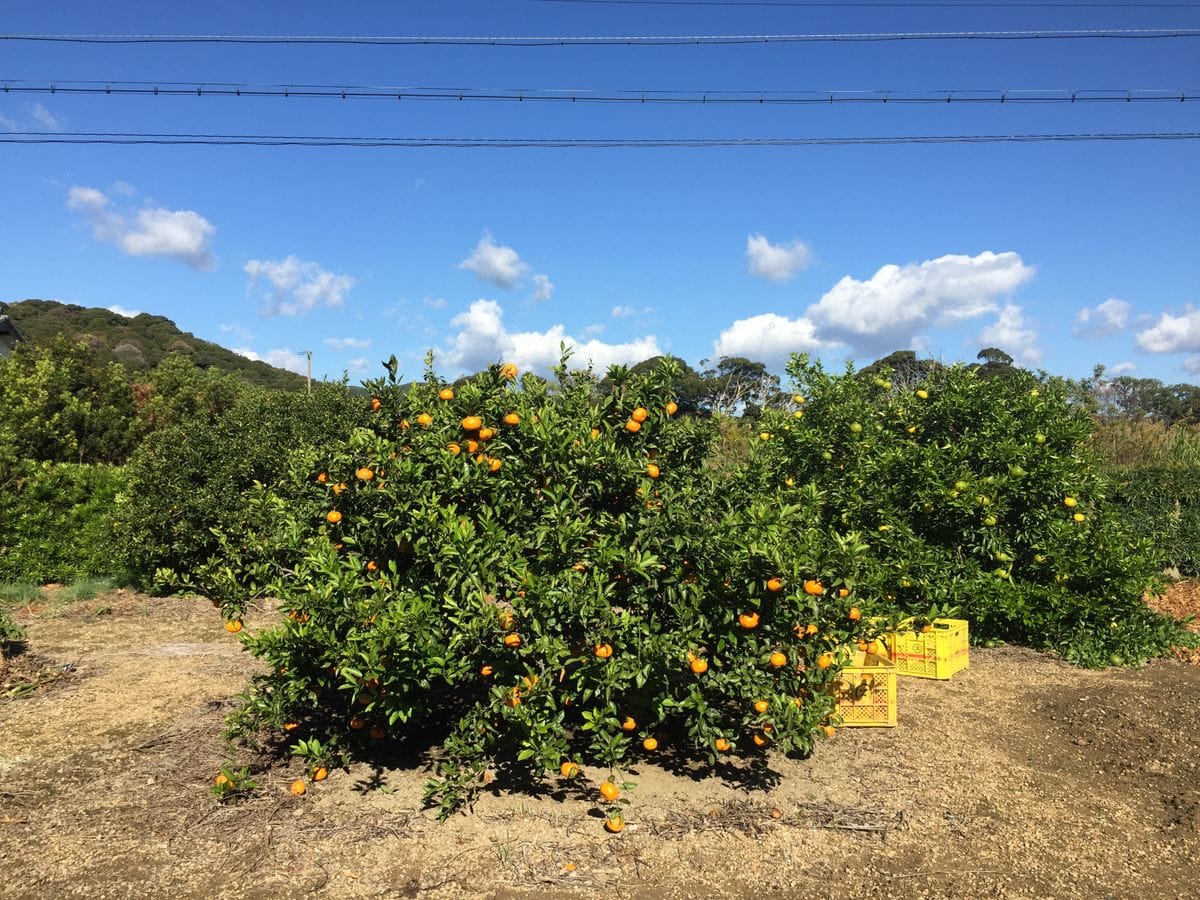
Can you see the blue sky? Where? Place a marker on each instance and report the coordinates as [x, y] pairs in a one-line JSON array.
[[1065, 255]]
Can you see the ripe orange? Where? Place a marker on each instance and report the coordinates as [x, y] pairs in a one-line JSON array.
[[774, 585], [221, 779], [512, 640], [825, 660], [494, 465], [508, 371], [650, 743], [378, 732], [364, 474], [321, 774], [333, 517], [424, 420], [454, 449], [339, 487], [855, 614], [472, 446], [485, 671], [568, 770], [699, 666], [358, 723], [813, 588], [748, 620], [322, 477], [722, 745], [830, 731], [639, 414], [603, 651], [760, 740], [404, 426], [810, 629], [761, 706], [234, 626], [609, 791], [672, 407], [298, 787], [376, 403], [629, 724], [471, 423], [513, 698], [843, 592], [486, 434], [778, 659], [446, 394], [290, 726], [633, 426], [614, 823], [372, 566], [652, 470], [512, 419]]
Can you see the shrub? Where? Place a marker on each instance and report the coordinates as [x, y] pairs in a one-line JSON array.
[[543, 576], [1162, 504], [56, 522], [977, 493]]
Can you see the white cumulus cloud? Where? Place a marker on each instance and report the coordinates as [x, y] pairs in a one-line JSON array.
[[1122, 368], [768, 338], [890, 308], [482, 339], [543, 288], [45, 118], [775, 262], [1106, 318], [1191, 365], [281, 358], [495, 264], [180, 234], [347, 343], [1012, 334], [1173, 334], [297, 286], [122, 311]]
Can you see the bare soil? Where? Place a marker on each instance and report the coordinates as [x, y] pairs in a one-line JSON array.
[[1021, 777]]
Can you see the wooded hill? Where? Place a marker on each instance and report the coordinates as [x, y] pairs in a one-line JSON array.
[[141, 342]]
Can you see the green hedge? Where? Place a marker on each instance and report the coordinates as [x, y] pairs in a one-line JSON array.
[[1163, 504], [56, 522]]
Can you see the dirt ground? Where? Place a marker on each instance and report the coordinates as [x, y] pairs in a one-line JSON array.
[[1021, 777]]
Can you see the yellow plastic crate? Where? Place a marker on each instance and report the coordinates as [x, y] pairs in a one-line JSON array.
[[937, 654], [865, 691]]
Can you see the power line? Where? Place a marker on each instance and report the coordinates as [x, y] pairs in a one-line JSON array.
[[603, 40], [266, 140], [543, 95]]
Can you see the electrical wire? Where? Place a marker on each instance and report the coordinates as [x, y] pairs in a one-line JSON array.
[[602, 40], [266, 140], [543, 95]]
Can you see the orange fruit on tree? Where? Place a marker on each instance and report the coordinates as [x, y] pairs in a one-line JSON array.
[[364, 474], [358, 723], [699, 666], [376, 403], [322, 477], [774, 585], [486, 434], [595, 433], [672, 407], [748, 620], [454, 448], [639, 414], [650, 743], [404, 426], [494, 465], [609, 791], [471, 423], [333, 517], [512, 640], [603, 651], [321, 774], [424, 420], [290, 726], [298, 787], [760, 740], [825, 660], [633, 426], [234, 626], [512, 419], [508, 371], [568, 769], [339, 488], [485, 671], [813, 588], [472, 446], [778, 659], [629, 724], [652, 470], [855, 614], [761, 706], [446, 394], [830, 731], [811, 629], [614, 823], [372, 566], [843, 592], [722, 745]]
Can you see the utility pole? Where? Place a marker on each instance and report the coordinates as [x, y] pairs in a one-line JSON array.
[[308, 377]]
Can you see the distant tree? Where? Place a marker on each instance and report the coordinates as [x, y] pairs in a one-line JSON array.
[[996, 363], [737, 385], [1149, 399], [906, 370]]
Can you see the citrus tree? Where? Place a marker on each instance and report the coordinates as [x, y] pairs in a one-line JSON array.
[[539, 574]]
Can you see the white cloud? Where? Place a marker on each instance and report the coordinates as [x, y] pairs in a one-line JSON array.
[[175, 234], [775, 262], [1010, 333], [297, 286], [768, 338], [482, 339], [1122, 368], [1107, 318], [501, 266], [358, 364], [1191, 365], [8, 124], [348, 343], [891, 307], [45, 118], [281, 358], [122, 311], [434, 302], [1173, 334], [237, 329], [543, 289]]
